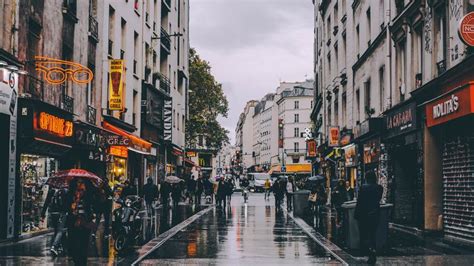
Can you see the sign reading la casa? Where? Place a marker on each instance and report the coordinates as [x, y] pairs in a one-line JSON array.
[[452, 105]]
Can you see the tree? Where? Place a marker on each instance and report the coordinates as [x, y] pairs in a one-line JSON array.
[[207, 102]]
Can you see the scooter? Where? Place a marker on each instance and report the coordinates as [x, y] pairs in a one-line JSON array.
[[126, 222]]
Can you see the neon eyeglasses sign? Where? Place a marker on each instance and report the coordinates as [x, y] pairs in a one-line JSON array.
[[56, 71]]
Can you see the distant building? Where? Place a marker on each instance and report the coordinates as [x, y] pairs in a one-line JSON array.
[[245, 136]]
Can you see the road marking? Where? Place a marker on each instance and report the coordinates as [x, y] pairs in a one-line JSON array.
[[329, 246], [161, 239]]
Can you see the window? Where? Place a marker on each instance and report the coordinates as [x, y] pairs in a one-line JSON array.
[[296, 160], [174, 120], [367, 105], [344, 110], [417, 58], [336, 113], [369, 26], [297, 118], [382, 88], [336, 13], [297, 132], [357, 41], [382, 13], [177, 120], [183, 122], [297, 104], [135, 107], [401, 69], [328, 31], [311, 104], [357, 111], [136, 52], [329, 65], [296, 147]]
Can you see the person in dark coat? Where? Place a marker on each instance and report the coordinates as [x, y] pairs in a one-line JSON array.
[[367, 213], [165, 192], [104, 207], [150, 194], [80, 202], [339, 196], [55, 205], [229, 189], [128, 190], [176, 194], [221, 193], [349, 191], [279, 193], [199, 190], [191, 188]]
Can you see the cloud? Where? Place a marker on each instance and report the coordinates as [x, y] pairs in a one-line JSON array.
[[252, 45]]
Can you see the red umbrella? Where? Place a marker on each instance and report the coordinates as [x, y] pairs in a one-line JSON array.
[[62, 178]]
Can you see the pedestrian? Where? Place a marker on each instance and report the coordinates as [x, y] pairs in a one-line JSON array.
[[229, 189], [55, 205], [191, 189], [312, 200], [221, 193], [208, 190], [104, 207], [128, 190], [165, 191], [349, 191], [176, 194], [367, 213], [339, 196], [279, 193], [320, 202], [199, 190], [80, 202], [290, 189], [150, 195], [266, 186]]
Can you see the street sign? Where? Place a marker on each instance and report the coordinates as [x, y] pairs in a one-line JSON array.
[[466, 29], [283, 169]]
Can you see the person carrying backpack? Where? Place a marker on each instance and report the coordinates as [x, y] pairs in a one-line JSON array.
[[55, 205]]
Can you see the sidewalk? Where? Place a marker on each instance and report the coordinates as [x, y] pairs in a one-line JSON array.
[[402, 248]]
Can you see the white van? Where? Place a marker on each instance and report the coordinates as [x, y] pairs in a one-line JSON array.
[[257, 180]]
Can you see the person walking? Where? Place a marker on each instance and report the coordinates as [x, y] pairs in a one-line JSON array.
[[349, 191], [104, 207], [176, 194], [55, 205], [279, 193], [367, 213], [221, 193], [339, 196], [199, 190], [150, 195], [208, 190], [191, 189], [165, 191], [80, 202], [290, 189], [266, 186], [229, 189]]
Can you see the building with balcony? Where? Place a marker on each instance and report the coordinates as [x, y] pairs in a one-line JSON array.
[[245, 136]]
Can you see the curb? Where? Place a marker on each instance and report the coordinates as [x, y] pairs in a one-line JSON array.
[[342, 256], [158, 241]]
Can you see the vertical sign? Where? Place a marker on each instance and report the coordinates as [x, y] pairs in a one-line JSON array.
[[8, 105], [333, 136], [116, 85], [168, 120], [311, 147], [280, 133]]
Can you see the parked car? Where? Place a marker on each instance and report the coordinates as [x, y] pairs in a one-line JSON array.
[[257, 180]]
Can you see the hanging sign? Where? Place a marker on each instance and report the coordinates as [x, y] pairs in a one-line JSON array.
[[350, 154], [8, 92], [280, 133], [333, 136], [56, 71], [311, 148], [466, 29], [168, 120], [116, 85]]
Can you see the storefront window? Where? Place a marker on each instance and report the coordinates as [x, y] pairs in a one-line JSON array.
[[117, 172], [34, 172]]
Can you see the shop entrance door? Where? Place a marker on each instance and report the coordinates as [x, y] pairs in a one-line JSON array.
[[407, 205], [4, 160]]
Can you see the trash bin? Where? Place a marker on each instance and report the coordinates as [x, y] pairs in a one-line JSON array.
[[300, 202], [351, 226]]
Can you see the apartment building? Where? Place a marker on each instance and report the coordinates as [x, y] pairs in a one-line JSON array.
[[245, 137], [384, 93]]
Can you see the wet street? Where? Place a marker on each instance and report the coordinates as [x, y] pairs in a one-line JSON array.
[[241, 234]]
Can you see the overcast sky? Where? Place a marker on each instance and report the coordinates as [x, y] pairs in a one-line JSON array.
[[252, 45]]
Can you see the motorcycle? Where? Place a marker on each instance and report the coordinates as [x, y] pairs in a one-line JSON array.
[[126, 222]]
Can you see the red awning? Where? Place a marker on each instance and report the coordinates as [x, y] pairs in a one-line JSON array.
[[137, 144]]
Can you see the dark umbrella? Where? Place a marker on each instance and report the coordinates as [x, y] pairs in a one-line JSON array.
[[61, 179], [316, 178]]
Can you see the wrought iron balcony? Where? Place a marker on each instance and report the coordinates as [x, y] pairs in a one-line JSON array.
[[165, 83], [167, 5], [93, 28], [165, 40], [70, 7], [33, 87], [91, 114]]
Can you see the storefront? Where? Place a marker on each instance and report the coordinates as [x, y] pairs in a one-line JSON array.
[[351, 161], [449, 123], [402, 163], [45, 135], [367, 136], [8, 151]]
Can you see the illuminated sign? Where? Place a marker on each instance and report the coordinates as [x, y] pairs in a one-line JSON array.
[[168, 120], [280, 133], [54, 125], [466, 29], [56, 71], [116, 85], [191, 154], [119, 151], [333, 136], [311, 147]]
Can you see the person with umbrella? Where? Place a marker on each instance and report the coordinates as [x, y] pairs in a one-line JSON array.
[[80, 203]]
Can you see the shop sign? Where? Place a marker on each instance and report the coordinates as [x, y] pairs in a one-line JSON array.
[[350, 154], [346, 137], [333, 136], [191, 154], [311, 148], [117, 140], [280, 133], [56, 71], [369, 125], [54, 125], [372, 151], [168, 120], [453, 105], [401, 121], [87, 136], [116, 85], [466, 29], [119, 151], [8, 92]]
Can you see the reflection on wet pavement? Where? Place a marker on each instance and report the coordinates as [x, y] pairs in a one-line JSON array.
[[35, 249], [239, 234]]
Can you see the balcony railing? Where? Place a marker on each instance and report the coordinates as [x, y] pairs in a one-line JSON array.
[[110, 47], [91, 114], [167, 4], [93, 28], [165, 84], [68, 104], [441, 65], [70, 7], [165, 40]]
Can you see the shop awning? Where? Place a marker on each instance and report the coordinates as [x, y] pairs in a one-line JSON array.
[[292, 168], [137, 144], [189, 162]]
